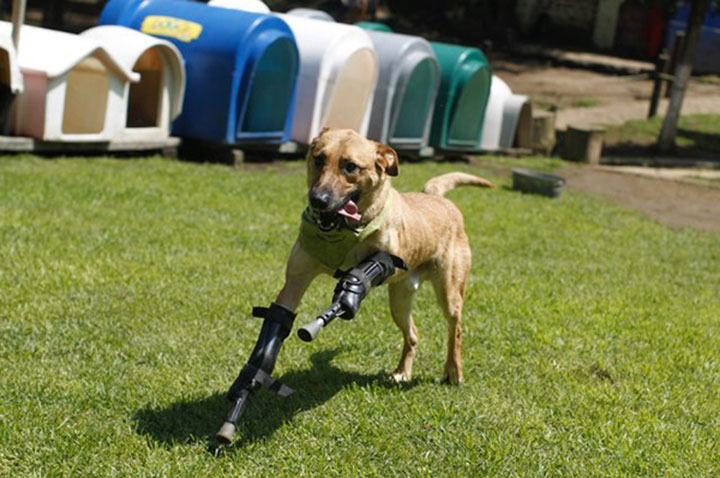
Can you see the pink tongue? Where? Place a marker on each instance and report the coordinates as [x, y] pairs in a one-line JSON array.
[[350, 210]]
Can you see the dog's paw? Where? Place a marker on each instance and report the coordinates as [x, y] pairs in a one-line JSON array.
[[399, 377], [452, 379], [453, 374]]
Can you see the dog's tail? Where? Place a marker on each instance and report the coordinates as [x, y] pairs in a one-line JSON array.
[[441, 184]]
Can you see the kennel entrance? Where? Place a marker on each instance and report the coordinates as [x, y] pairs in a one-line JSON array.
[[146, 96], [86, 94], [10, 82], [412, 122], [270, 94]]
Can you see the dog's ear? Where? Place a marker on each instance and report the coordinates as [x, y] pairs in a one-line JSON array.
[[316, 140], [387, 158]]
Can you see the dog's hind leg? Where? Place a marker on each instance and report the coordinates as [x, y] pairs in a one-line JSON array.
[[402, 295], [449, 284]]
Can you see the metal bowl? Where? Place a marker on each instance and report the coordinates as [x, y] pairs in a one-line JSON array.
[[535, 182]]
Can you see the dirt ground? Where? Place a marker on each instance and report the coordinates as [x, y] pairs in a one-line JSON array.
[[589, 98], [675, 203]]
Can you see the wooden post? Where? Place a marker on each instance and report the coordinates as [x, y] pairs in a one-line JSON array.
[[660, 73], [666, 139], [18, 17], [543, 132], [677, 48]]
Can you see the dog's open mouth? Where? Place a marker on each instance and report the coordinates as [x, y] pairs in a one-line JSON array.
[[347, 209], [350, 210]]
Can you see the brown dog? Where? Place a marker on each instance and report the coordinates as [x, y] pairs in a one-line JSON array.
[[348, 176]]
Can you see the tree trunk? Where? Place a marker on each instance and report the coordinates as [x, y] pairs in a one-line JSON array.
[[666, 139]]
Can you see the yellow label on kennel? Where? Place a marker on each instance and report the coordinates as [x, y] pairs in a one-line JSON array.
[[177, 28]]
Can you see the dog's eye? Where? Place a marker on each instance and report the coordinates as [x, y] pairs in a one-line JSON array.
[[320, 161], [351, 168]]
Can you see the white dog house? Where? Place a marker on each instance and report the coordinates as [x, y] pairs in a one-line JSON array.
[[311, 13], [508, 119], [11, 82], [337, 78], [338, 75], [73, 89], [156, 99], [255, 6]]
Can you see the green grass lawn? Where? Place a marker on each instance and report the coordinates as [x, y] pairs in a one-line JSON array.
[[697, 134], [590, 348]]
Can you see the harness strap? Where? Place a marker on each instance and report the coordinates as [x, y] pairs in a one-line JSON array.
[[276, 313]]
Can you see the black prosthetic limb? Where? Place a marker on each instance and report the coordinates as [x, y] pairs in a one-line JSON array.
[[277, 324], [353, 286]]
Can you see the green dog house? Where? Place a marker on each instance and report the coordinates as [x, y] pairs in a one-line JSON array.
[[463, 95], [374, 26]]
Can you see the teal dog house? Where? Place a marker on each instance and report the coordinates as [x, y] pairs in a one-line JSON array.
[[462, 98], [374, 26]]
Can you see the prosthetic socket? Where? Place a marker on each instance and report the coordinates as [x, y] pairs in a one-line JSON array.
[[355, 284], [256, 372]]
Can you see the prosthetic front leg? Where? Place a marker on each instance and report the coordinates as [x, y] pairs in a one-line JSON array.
[[277, 324], [353, 286]]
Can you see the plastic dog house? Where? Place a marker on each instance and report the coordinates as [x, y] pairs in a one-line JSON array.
[[374, 26], [246, 5], [338, 74], [156, 98], [462, 97], [508, 119], [241, 67], [11, 82], [406, 91], [73, 89], [311, 13]]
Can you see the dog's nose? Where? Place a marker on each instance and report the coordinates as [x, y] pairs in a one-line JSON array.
[[320, 199]]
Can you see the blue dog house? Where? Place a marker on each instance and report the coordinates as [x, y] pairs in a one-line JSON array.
[[707, 58], [241, 67]]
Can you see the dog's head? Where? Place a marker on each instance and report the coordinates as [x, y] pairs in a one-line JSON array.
[[346, 171]]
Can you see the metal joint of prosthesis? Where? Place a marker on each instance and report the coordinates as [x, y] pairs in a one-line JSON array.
[[351, 289]]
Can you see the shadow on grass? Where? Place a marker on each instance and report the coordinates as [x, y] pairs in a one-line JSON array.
[[192, 421]]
